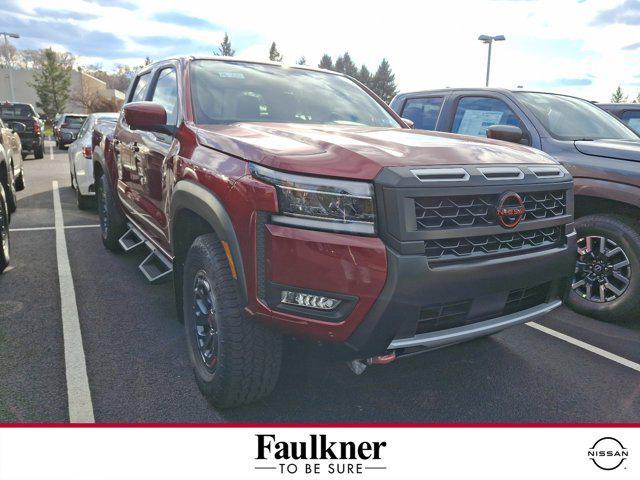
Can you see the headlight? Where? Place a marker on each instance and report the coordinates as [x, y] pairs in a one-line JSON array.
[[321, 203]]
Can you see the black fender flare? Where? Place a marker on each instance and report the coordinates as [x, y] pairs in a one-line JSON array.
[[191, 196]]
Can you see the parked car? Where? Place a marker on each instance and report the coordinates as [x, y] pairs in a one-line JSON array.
[[11, 168], [80, 162], [4, 230], [601, 153], [291, 201], [32, 138], [627, 113], [67, 127]]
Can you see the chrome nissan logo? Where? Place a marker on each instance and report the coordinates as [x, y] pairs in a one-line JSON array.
[[510, 210]]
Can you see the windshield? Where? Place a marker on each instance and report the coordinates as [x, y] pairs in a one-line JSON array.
[[568, 118], [229, 92], [74, 121], [16, 111]]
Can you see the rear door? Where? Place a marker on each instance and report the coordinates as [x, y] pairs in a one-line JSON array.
[[424, 112]]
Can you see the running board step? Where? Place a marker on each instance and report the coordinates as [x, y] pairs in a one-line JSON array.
[[156, 267], [131, 239]]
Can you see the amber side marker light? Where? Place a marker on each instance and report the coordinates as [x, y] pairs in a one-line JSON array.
[[232, 265]]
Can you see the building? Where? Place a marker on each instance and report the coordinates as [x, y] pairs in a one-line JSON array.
[[82, 85]]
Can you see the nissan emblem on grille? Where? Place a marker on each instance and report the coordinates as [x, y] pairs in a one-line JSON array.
[[510, 209]]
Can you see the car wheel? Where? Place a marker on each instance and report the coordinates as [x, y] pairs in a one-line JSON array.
[[10, 191], [4, 231], [19, 182], [112, 222], [73, 185], [606, 285], [84, 202], [235, 360], [38, 152]]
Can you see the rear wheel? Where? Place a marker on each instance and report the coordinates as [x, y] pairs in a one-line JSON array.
[[4, 231], [235, 360], [606, 283], [84, 202], [38, 151], [112, 222], [19, 183]]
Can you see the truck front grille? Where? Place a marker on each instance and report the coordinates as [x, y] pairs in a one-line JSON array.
[[447, 249], [437, 213]]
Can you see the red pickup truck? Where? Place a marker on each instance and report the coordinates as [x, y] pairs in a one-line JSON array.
[[293, 201]]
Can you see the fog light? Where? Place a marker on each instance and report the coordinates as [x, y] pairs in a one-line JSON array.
[[309, 301]]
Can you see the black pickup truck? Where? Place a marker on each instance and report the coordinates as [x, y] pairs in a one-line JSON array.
[[32, 138], [601, 153]]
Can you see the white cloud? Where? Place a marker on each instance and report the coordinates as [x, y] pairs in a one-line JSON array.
[[430, 44]]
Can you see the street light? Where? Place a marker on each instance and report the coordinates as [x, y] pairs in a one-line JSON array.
[[6, 53], [488, 39]]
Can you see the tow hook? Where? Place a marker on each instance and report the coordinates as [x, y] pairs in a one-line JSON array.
[[359, 366]]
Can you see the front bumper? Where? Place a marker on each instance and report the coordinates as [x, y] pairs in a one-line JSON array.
[[479, 295]]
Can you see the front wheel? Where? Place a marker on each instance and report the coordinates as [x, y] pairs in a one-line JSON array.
[[4, 231], [235, 360], [606, 284], [112, 222], [10, 191]]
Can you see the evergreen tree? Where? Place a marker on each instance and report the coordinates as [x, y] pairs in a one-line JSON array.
[[348, 67], [52, 82], [147, 61], [364, 76], [326, 62], [339, 66], [618, 96], [384, 82], [637, 100], [302, 60], [225, 47], [274, 54]]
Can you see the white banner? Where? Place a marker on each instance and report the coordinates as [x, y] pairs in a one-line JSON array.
[[319, 453]]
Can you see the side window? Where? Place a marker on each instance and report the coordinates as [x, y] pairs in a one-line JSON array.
[[423, 112], [166, 94], [475, 114], [632, 120], [140, 92]]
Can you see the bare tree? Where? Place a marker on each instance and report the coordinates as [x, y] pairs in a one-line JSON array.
[[93, 102]]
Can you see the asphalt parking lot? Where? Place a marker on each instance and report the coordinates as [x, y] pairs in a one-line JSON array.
[[138, 370]]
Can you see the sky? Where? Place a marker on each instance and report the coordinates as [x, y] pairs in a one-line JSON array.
[[580, 47]]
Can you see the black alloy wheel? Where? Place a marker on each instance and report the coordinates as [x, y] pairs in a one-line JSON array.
[[204, 310], [4, 231]]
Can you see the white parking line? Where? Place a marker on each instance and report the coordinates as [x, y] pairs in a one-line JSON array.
[[579, 343], [51, 151], [38, 229], [78, 393]]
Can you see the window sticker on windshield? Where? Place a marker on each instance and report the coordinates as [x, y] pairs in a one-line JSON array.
[[476, 122], [231, 74]]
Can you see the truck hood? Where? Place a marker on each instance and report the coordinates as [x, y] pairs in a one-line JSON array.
[[621, 149], [356, 152]]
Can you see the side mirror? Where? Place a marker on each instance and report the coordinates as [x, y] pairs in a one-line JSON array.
[[507, 133], [148, 117], [410, 123], [18, 127]]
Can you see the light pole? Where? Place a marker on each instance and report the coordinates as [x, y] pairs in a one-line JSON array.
[[488, 39], [6, 53]]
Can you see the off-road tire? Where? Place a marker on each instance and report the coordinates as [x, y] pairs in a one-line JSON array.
[[622, 232], [249, 354], [112, 222], [4, 231]]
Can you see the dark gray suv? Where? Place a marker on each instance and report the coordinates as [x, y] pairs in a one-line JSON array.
[[602, 154]]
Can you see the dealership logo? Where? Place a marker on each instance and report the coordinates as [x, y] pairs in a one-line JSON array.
[[607, 453], [318, 455], [510, 209]]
